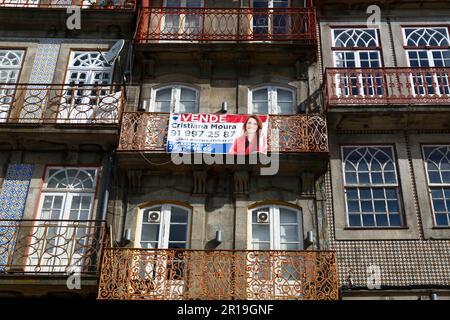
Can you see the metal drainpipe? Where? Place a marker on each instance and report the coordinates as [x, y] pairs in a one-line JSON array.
[[106, 186]]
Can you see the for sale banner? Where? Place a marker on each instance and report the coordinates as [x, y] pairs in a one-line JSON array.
[[217, 133]]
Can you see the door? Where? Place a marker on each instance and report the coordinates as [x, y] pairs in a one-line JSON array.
[[161, 273], [278, 274], [10, 66], [62, 236], [182, 19], [88, 77], [268, 19]]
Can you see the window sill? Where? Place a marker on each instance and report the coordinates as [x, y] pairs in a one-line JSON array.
[[375, 228]]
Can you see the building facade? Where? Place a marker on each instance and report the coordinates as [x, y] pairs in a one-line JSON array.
[[352, 186]]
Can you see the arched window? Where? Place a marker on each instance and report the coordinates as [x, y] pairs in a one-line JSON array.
[[164, 226], [272, 100], [175, 98], [426, 37], [276, 227], [68, 194], [371, 186], [437, 163], [355, 38], [10, 65]]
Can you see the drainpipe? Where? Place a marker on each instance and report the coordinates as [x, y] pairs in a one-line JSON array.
[[106, 187]]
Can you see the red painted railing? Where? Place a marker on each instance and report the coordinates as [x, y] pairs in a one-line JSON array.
[[85, 4], [226, 24], [387, 86]]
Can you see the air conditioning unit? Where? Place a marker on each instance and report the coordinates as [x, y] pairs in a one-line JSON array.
[[262, 217], [154, 216]]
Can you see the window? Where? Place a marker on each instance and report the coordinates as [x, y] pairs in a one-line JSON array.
[[357, 48], [437, 163], [63, 231], [371, 187], [178, 99], [180, 23], [272, 100], [423, 51], [266, 23], [89, 75], [282, 228], [164, 226], [10, 66]]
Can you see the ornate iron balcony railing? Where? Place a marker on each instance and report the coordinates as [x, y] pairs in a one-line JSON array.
[[226, 24], [85, 4], [145, 131], [166, 274], [387, 86], [61, 103], [51, 246]]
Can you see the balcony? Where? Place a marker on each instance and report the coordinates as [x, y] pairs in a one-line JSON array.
[[61, 104], [147, 132], [209, 25], [427, 87], [43, 247], [85, 4], [166, 274]]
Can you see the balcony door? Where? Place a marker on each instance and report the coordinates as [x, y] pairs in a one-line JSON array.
[[62, 233], [182, 19], [10, 66], [268, 19], [357, 51], [427, 48], [275, 228], [87, 96], [163, 226]]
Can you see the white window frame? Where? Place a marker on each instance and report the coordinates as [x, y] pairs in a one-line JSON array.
[[270, 23], [372, 186], [67, 194], [164, 225], [274, 226], [436, 185], [7, 92], [272, 96], [175, 97], [181, 19], [430, 58], [357, 54]]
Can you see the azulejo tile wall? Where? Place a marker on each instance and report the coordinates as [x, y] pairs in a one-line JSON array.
[[43, 71], [401, 262], [13, 197]]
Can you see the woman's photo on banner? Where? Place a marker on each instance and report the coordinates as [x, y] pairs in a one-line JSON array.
[[252, 139]]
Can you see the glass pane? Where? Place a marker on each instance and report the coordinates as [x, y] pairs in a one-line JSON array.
[[178, 215], [288, 233], [150, 232], [188, 95], [261, 232], [289, 246], [178, 232], [261, 245], [288, 216], [164, 95]]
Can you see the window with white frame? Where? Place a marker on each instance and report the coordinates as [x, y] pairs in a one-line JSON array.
[[164, 226], [271, 100], [64, 228], [428, 47], [437, 163], [267, 23], [357, 48], [371, 186], [10, 66], [88, 77], [276, 228], [175, 98], [68, 193]]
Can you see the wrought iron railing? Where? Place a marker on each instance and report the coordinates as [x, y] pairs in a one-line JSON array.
[[85, 4], [51, 246], [226, 24], [387, 86], [145, 131], [61, 104], [166, 274]]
